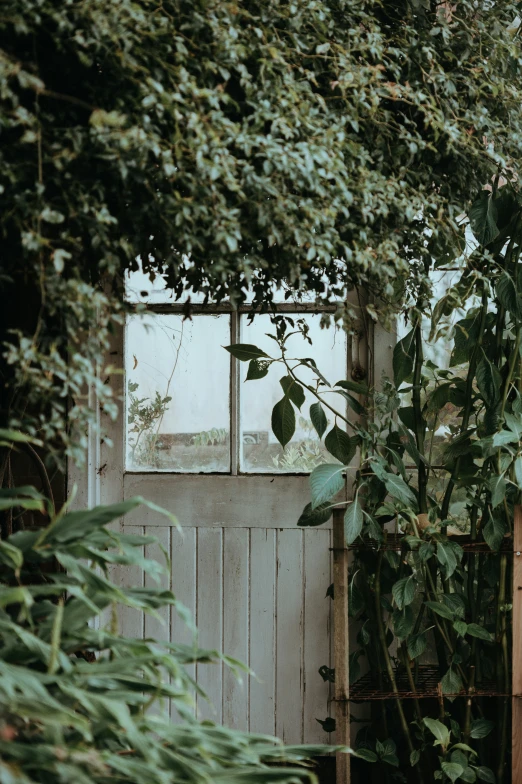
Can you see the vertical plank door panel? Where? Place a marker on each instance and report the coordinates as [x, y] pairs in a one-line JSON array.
[[131, 621], [155, 628], [262, 630], [516, 688], [341, 691], [209, 602], [289, 636], [317, 577], [183, 581], [236, 554]]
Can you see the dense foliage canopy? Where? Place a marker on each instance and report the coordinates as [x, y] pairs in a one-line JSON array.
[[326, 144]]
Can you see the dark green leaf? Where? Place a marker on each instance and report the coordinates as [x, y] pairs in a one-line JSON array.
[[283, 421], [366, 754], [452, 770], [318, 418], [353, 521], [485, 774], [451, 682], [417, 645], [257, 368], [353, 386], [245, 351], [478, 631], [446, 557], [340, 445], [403, 358], [480, 728], [293, 390], [403, 622], [482, 218], [440, 609], [489, 381], [403, 591], [318, 516], [494, 531]]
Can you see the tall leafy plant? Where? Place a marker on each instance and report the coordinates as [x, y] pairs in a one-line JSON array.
[[439, 468], [76, 695]]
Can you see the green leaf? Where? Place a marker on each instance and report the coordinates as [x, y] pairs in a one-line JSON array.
[[489, 382], [403, 591], [446, 557], [366, 754], [397, 488], [494, 532], [414, 757], [325, 481], [417, 645], [353, 386], [498, 487], [480, 728], [507, 293], [353, 521], [318, 418], [460, 627], [245, 352], [403, 358], [318, 516], [293, 390], [518, 471], [451, 682], [283, 421], [452, 770], [468, 775], [439, 730], [257, 368], [485, 774], [478, 631], [483, 218], [8, 436], [340, 445], [403, 622], [440, 609]]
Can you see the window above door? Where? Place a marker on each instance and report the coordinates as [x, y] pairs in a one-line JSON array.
[[189, 408]]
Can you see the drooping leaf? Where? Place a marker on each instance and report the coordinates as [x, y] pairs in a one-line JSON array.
[[283, 421], [366, 754], [397, 488], [353, 521], [403, 358], [340, 445], [485, 774], [403, 622], [482, 218], [318, 418], [446, 557], [439, 730], [257, 368], [478, 631], [403, 591], [417, 645], [325, 481], [494, 531], [480, 728], [451, 682], [440, 609], [318, 516], [246, 352], [507, 293], [489, 381], [293, 390], [452, 770], [353, 386]]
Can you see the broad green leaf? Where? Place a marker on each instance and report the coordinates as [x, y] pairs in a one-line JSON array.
[[397, 488], [316, 516], [318, 418], [414, 757], [353, 521], [478, 631], [507, 293], [482, 218], [417, 645], [452, 770], [439, 731], [353, 386], [494, 532], [464, 747], [489, 381], [325, 481], [518, 471], [460, 627], [480, 728], [403, 622], [498, 487], [446, 557], [352, 402], [403, 358], [440, 609], [403, 591], [257, 368], [485, 774], [246, 352], [293, 390], [366, 754], [283, 421], [451, 682], [340, 445]]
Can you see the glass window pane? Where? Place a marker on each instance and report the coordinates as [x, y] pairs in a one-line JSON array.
[[260, 451], [178, 393]]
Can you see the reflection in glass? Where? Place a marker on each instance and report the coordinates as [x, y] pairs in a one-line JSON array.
[[260, 451], [177, 395]]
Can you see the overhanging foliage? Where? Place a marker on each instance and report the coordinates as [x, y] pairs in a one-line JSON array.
[[326, 144]]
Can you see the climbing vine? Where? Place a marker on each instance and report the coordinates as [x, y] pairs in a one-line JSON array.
[[433, 461]]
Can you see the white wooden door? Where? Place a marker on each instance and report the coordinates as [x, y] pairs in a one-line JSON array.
[[255, 582]]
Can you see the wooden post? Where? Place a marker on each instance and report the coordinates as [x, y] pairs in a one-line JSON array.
[[516, 689], [341, 690]]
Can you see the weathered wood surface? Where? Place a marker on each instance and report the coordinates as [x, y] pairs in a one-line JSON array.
[[516, 718], [341, 690]]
